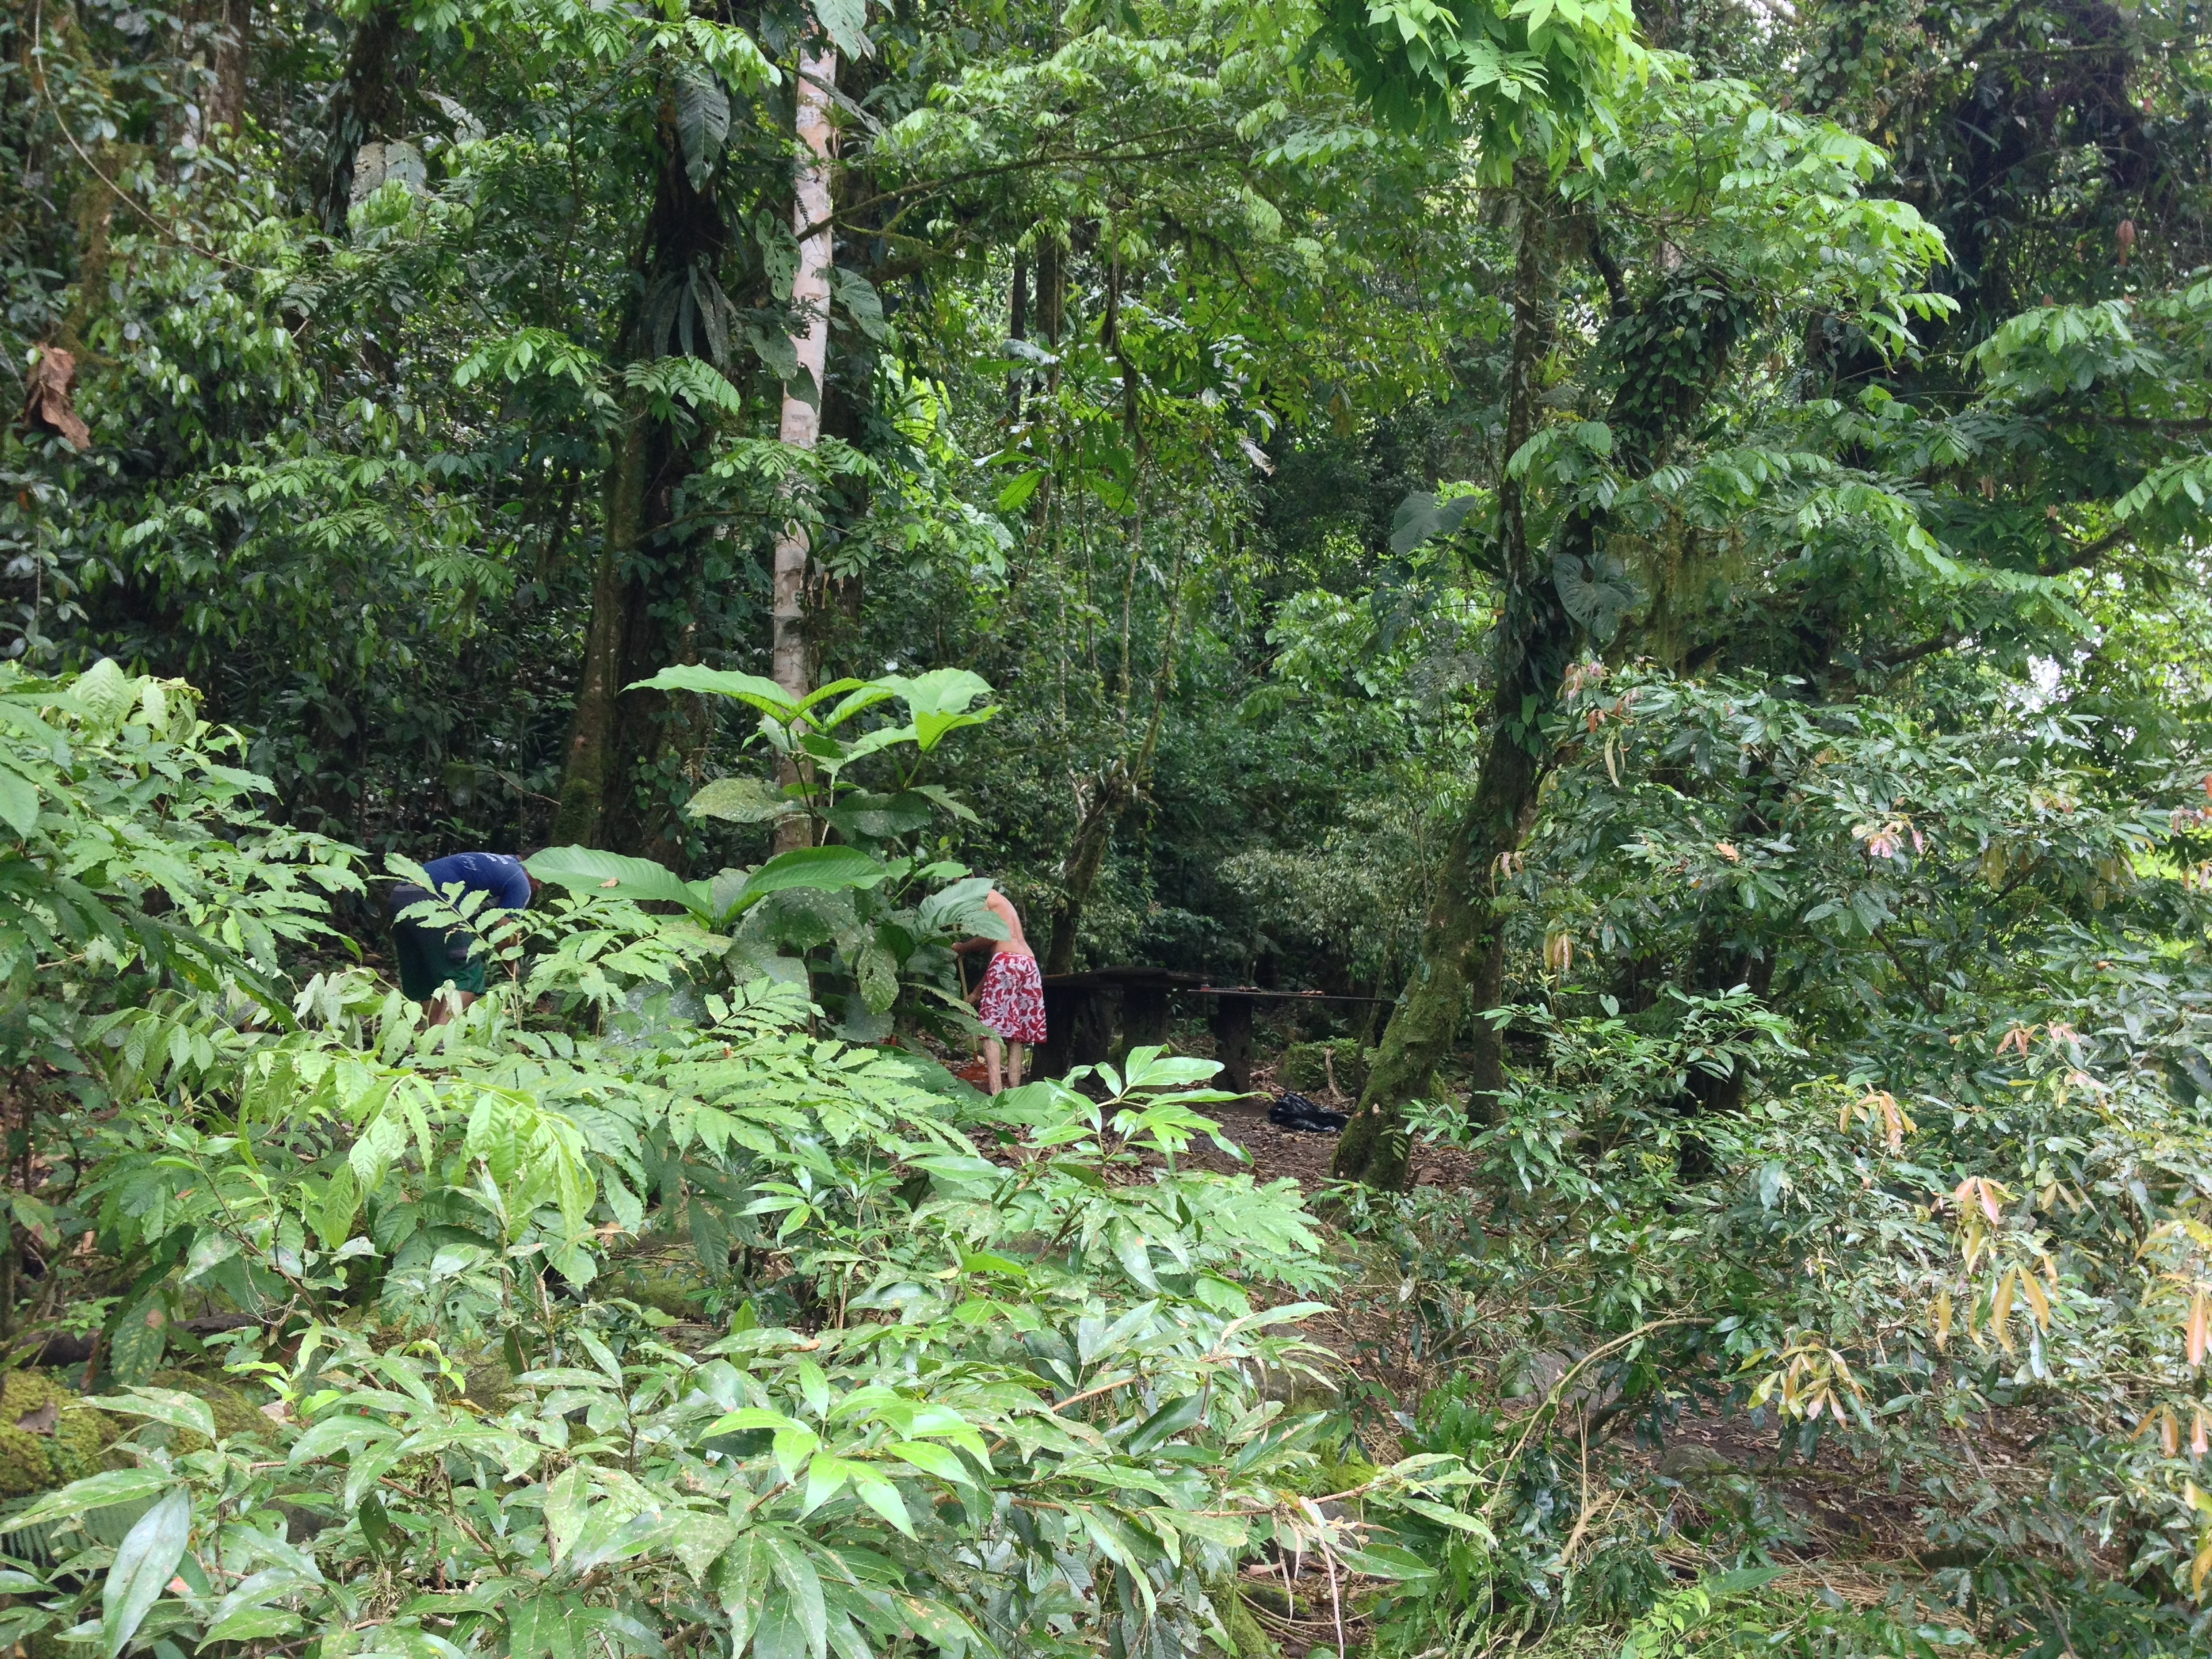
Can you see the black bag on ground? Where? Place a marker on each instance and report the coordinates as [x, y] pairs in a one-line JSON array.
[[1295, 1111]]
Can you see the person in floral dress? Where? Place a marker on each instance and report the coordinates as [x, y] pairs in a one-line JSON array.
[[1010, 999]]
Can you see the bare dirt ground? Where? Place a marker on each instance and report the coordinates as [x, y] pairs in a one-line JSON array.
[[1300, 1155]]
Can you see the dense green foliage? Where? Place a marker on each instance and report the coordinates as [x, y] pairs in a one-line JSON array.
[[1662, 543]]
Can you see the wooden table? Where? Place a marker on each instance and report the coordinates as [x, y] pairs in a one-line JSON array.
[[1103, 1014]]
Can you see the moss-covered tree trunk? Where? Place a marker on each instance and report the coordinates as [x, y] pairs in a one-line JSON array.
[[589, 757], [622, 776], [369, 103], [1086, 857], [1462, 936], [1121, 782], [229, 54], [1463, 943], [1669, 353]]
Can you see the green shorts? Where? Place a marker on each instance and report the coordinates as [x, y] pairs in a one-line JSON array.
[[433, 957]]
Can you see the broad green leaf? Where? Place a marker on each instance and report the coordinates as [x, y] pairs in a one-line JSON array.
[[140, 1334], [938, 701], [792, 1447], [825, 1478], [764, 694], [1444, 1515], [588, 870], [699, 1542], [566, 1509], [19, 802], [743, 800], [105, 691], [798, 1576], [1016, 495], [881, 1496], [254, 1624], [1597, 592], [821, 867], [781, 1633], [739, 1578], [932, 1458], [959, 911], [1386, 1561], [144, 1564], [939, 1625], [1421, 518], [1164, 1423], [526, 1636], [746, 1417], [841, 21], [702, 126], [170, 1405], [103, 1490]]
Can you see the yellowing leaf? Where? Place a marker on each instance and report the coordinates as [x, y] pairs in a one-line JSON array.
[[2037, 1300]]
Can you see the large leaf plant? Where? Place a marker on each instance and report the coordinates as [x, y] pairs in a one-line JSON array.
[[860, 915]]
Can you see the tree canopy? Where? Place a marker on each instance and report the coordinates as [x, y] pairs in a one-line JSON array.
[[1633, 575]]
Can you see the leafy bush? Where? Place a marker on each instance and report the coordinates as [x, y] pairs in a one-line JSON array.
[[958, 1401], [132, 853], [965, 1375], [865, 923]]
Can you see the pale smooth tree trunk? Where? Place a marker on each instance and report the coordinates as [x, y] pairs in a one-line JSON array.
[[802, 420]]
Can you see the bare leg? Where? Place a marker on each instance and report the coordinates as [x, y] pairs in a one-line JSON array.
[[994, 1062], [445, 1003], [1015, 1053]]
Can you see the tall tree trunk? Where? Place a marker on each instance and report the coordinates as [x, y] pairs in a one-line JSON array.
[[1464, 933], [1017, 328], [1110, 793], [801, 425], [626, 752], [590, 763], [226, 100], [1087, 856], [369, 101], [1463, 946]]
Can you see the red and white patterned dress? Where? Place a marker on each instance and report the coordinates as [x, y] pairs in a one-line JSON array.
[[1012, 1001]]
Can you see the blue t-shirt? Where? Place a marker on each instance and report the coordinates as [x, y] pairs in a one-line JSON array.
[[497, 873]]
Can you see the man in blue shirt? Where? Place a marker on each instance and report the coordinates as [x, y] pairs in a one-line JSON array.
[[432, 958]]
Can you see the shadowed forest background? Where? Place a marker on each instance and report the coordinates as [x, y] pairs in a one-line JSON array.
[[1654, 553]]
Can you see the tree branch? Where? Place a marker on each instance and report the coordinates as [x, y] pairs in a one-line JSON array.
[[2079, 558], [2088, 553], [1912, 653]]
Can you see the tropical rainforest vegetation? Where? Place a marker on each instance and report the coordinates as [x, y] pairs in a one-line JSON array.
[[1655, 549]]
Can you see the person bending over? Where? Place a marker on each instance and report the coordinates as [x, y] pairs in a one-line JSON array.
[[1010, 999], [433, 959]]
